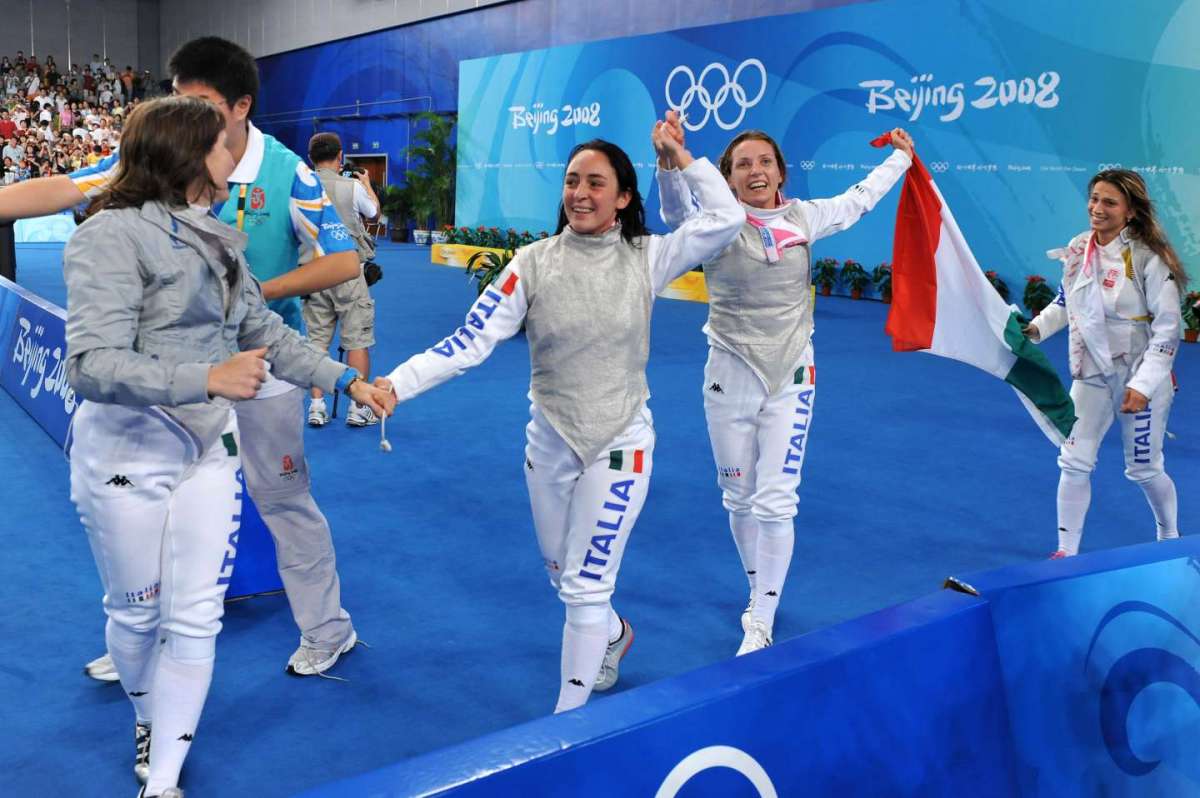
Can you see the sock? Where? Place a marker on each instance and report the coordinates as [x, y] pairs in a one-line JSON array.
[[134, 653], [1074, 497], [184, 672], [744, 527], [615, 627], [1160, 493], [775, 542], [585, 640]]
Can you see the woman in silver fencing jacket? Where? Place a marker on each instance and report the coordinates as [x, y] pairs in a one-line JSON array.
[[160, 305], [1120, 299], [760, 379], [585, 296]]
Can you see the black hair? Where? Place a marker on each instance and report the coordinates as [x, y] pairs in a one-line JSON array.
[[219, 63], [633, 216]]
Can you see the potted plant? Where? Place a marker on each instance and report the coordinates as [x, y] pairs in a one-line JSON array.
[[1037, 294], [486, 266], [824, 274], [394, 203], [855, 277], [432, 178], [881, 275], [1190, 309], [1000, 286]]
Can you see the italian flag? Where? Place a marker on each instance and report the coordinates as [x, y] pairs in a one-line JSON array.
[[944, 305], [627, 460]]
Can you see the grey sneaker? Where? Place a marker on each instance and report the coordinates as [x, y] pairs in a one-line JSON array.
[[612, 658], [361, 416], [758, 637], [141, 759], [309, 661], [102, 669]]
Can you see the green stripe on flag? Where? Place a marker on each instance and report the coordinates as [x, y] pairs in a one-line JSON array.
[[614, 459], [1034, 377]]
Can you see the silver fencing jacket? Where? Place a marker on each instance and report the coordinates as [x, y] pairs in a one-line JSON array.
[[586, 302], [762, 311]]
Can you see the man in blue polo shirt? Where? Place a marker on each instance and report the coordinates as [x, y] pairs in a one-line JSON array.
[[280, 204]]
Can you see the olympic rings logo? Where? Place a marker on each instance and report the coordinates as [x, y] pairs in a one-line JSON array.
[[1104, 167], [938, 167], [808, 166], [713, 102]]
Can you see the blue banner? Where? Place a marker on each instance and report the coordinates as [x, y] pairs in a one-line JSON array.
[[1013, 105], [34, 365]]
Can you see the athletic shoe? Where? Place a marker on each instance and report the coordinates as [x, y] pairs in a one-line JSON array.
[[1059, 555], [141, 759], [757, 638], [612, 658], [361, 416], [309, 661], [746, 614], [102, 669], [170, 792], [318, 416]]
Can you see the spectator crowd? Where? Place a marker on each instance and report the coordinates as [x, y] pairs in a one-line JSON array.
[[54, 121]]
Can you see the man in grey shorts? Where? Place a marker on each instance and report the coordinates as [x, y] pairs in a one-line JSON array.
[[349, 303]]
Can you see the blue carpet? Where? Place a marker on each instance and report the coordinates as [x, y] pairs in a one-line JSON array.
[[917, 468]]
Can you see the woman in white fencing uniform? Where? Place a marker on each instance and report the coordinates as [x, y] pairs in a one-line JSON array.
[[760, 379], [1119, 299], [585, 295], [160, 303]]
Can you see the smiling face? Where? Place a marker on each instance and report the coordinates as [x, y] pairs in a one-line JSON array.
[[1108, 211], [755, 174], [591, 193]]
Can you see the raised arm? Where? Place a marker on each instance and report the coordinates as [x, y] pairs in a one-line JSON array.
[[38, 197], [828, 216], [495, 317]]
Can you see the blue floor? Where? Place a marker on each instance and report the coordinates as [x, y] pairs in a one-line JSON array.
[[917, 468]]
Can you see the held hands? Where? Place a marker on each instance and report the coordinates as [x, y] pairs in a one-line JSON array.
[[902, 141], [667, 138], [381, 400], [1133, 402], [240, 376]]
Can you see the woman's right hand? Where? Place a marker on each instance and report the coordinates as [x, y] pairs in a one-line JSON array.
[[1031, 332], [240, 376]]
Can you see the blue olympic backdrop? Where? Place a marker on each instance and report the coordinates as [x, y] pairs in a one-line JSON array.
[[1014, 105]]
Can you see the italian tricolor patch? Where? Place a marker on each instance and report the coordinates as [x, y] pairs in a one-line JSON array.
[[510, 285], [632, 460], [805, 375]]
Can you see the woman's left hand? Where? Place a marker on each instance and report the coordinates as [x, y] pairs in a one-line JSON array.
[[666, 138], [902, 141], [383, 402], [1133, 402]]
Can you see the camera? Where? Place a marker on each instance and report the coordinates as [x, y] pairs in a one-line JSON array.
[[350, 170]]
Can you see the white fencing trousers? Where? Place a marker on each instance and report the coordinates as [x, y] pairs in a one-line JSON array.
[[758, 443], [277, 477], [1097, 401], [583, 515], [162, 521]]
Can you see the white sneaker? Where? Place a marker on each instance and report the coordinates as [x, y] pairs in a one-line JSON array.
[[141, 759], [309, 661], [170, 792], [612, 658], [746, 614], [360, 416], [758, 637], [318, 416], [102, 669]]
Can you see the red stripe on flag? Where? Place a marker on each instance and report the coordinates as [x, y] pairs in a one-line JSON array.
[[812, 375], [637, 460], [510, 285], [913, 312]]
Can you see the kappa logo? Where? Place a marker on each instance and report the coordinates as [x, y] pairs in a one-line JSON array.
[[185, 737], [575, 682], [120, 481], [138, 693], [528, 463], [258, 199], [695, 92], [716, 388]]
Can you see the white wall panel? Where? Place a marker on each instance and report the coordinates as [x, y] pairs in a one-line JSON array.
[[85, 26]]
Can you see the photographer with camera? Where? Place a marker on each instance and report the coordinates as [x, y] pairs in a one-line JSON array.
[[350, 303]]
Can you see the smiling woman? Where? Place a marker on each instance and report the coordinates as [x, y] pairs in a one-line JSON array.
[[585, 295]]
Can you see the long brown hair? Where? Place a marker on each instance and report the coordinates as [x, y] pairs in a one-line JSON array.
[[163, 152], [1144, 224], [726, 162]]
